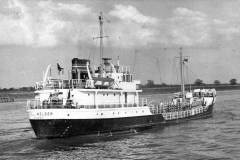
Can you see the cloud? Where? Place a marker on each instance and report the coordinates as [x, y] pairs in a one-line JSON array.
[[130, 13], [188, 27], [227, 29], [131, 28], [185, 12], [194, 28], [38, 24], [185, 28], [52, 23], [57, 24], [14, 26], [191, 28]]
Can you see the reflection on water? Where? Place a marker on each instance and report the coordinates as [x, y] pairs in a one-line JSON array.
[[212, 138]]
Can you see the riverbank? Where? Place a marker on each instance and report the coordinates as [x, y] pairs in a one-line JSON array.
[[177, 88], [17, 95]]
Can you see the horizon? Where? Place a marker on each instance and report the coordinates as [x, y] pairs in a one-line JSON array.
[[145, 84], [146, 35]]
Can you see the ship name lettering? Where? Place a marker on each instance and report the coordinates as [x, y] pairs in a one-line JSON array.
[[44, 113]]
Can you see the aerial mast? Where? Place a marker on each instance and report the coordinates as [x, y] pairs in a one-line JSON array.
[[182, 74], [101, 35]]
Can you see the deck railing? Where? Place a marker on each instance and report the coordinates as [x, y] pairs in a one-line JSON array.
[[60, 84], [67, 103], [155, 108]]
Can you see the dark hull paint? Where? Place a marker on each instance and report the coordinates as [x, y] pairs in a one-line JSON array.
[[74, 127]]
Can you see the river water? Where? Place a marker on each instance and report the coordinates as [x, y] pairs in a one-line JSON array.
[[217, 137]]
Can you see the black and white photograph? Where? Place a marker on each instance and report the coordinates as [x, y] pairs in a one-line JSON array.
[[119, 79]]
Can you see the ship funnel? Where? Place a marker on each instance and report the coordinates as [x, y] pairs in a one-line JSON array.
[[107, 64], [79, 68]]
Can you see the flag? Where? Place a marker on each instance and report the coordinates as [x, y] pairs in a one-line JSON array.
[[60, 69]]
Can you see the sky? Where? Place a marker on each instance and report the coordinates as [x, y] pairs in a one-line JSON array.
[[145, 34]]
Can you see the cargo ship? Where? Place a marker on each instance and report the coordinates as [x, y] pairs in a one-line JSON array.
[[106, 100]]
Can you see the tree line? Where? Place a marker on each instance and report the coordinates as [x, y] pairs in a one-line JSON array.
[[197, 82], [23, 89], [232, 81]]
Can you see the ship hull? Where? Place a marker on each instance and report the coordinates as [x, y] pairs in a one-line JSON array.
[[57, 128]]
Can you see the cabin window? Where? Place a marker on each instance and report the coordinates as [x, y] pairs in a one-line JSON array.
[[124, 77], [107, 94], [127, 78], [114, 94], [88, 94], [125, 94]]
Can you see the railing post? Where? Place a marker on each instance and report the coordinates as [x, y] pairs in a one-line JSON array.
[[27, 104]]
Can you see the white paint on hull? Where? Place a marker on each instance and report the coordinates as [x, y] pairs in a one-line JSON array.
[[88, 113]]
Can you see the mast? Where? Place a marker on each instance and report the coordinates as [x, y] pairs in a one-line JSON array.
[[101, 35], [182, 74]]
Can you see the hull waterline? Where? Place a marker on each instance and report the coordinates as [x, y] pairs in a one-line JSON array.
[[58, 128]]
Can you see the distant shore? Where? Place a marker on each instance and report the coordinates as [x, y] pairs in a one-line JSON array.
[[176, 88], [18, 95]]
